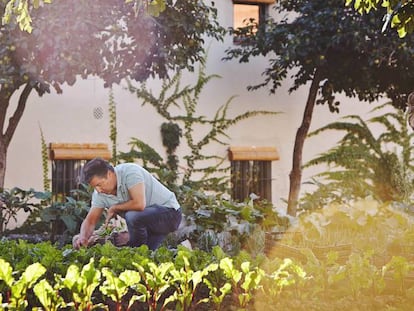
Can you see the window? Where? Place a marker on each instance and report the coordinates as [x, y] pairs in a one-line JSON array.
[[67, 163], [246, 11], [251, 171]]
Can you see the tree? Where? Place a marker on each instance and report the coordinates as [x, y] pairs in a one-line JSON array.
[[398, 14], [333, 49], [103, 38], [19, 10]]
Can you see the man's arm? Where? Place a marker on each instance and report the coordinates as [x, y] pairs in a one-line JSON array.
[[136, 203], [87, 227]]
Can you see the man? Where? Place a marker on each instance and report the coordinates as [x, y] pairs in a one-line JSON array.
[[150, 210]]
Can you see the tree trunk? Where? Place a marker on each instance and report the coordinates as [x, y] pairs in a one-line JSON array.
[[6, 134], [3, 158], [296, 173], [3, 154]]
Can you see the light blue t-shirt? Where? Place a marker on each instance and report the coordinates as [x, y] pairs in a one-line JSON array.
[[131, 174]]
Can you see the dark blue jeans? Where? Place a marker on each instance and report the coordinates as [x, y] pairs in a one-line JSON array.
[[151, 225]]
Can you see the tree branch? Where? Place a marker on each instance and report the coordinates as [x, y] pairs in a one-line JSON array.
[[17, 115]]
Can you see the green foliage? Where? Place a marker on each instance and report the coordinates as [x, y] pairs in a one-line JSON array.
[[323, 45], [171, 134], [365, 224], [244, 281], [329, 39], [20, 10], [198, 161], [112, 125], [58, 220], [212, 220], [116, 287], [364, 164], [397, 14], [81, 284], [16, 200], [48, 296], [105, 276], [376, 268], [45, 162], [400, 268], [62, 49], [70, 213], [18, 287]]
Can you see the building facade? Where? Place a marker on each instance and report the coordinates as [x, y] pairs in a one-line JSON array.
[[80, 115]]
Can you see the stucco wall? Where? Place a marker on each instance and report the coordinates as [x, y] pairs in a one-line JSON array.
[[69, 118]]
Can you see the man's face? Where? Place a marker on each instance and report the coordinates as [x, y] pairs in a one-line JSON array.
[[105, 184]]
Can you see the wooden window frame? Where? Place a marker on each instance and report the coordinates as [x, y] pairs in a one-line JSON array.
[[67, 163], [263, 11], [251, 171]]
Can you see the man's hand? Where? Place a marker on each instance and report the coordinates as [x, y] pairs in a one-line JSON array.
[[121, 238], [78, 242], [111, 213]]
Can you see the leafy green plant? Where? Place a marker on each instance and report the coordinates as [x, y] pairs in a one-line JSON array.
[[63, 218], [112, 125], [360, 273], [215, 220], [156, 280], [71, 213], [218, 293], [364, 164], [18, 287], [171, 134], [400, 268], [49, 296], [244, 282], [116, 287], [105, 277], [16, 200], [198, 161], [287, 274], [81, 284], [45, 162], [186, 283]]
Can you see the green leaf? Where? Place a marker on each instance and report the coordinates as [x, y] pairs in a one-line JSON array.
[[6, 271], [48, 296]]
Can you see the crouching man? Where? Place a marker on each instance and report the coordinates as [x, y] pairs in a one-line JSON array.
[[150, 209]]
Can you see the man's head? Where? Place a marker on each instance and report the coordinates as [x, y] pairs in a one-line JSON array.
[[100, 175]]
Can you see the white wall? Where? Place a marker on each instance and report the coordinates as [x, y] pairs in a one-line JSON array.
[[69, 118]]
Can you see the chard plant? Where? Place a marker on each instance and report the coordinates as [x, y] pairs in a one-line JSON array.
[[48, 296], [186, 283], [325, 273], [218, 293], [123, 281], [360, 273], [116, 287], [155, 281], [244, 282], [81, 284], [16, 299], [400, 268]]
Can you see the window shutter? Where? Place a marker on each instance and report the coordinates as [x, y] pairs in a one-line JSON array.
[[254, 1], [71, 151], [251, 171], [253, 153]]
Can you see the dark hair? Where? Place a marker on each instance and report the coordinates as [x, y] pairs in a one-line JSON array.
[[95, 167]]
